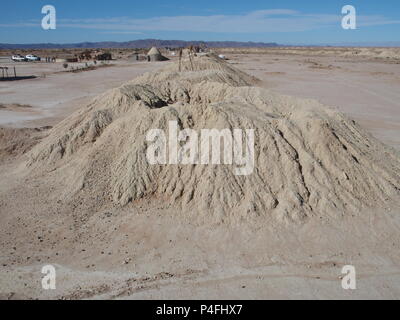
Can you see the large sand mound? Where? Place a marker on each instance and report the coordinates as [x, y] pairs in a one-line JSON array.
[[309, 160]]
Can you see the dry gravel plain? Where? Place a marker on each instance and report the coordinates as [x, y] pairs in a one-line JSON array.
[[142, 252]]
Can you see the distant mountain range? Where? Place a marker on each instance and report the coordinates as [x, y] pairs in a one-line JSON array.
[[146, 43]]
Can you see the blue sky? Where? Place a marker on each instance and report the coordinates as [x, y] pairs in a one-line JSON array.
[[284, 21]]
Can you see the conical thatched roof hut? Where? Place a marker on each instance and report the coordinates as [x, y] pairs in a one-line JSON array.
[[155, 55]]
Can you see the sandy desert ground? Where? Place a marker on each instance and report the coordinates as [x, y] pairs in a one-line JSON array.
[[54, 94], [74, 191]]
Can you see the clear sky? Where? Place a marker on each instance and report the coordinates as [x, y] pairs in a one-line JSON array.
[[283, 21]]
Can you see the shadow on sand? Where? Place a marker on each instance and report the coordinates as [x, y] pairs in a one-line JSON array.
[[17, 78]]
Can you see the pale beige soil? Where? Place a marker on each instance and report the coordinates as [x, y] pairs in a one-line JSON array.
[[64, 192], [368, 91], [54, 94]]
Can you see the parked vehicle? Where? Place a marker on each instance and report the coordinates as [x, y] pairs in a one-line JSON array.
[[31, 57], [18, 58]]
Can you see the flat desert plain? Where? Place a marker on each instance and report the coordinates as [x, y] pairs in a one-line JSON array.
[[76, 193]]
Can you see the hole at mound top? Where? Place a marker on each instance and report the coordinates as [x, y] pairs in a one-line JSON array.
[[144, 93], [158, 104]]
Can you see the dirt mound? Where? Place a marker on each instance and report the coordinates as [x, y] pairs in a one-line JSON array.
[[309, 160], [14, 142]]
